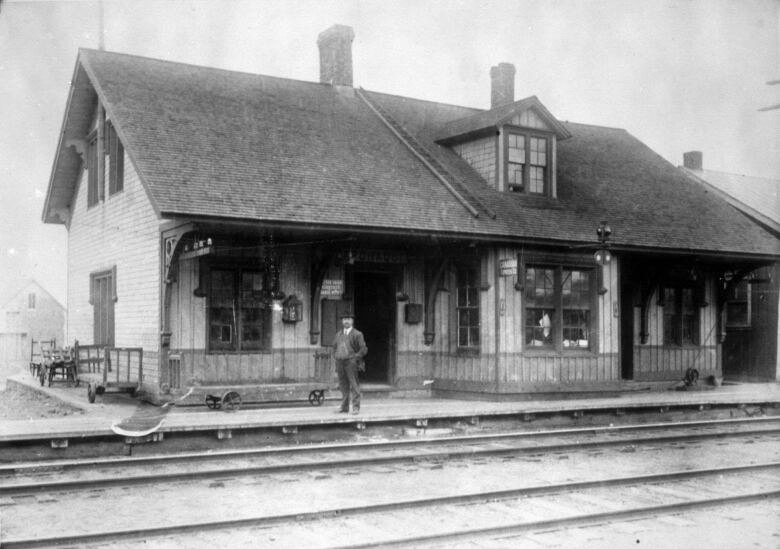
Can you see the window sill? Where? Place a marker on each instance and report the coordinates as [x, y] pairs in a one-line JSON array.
[[536, 352], [228, 352], [468, 351]]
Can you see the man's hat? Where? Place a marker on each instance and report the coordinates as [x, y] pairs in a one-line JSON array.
[[347, 314]]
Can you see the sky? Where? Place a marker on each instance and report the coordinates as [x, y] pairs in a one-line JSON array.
[[679, 75]]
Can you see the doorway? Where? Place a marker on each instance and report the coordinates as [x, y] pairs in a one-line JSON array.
[[375, 311]]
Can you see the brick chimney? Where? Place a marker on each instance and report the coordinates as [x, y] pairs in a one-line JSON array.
[[502, 85], [693, 160], [335, 46]]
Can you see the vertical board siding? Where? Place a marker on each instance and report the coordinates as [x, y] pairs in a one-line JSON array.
[[516, 367], [121, 231], [655, 361], [291, 357]]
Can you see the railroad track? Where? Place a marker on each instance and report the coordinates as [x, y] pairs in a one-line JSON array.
[[88, 474], [264, 500], [501, 513]]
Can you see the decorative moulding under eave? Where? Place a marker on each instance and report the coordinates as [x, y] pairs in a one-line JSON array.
[[470, 127]]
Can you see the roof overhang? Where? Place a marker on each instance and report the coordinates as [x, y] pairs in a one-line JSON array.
[[71, 147]]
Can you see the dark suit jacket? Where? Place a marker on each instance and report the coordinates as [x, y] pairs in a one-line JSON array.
[[355, 344]]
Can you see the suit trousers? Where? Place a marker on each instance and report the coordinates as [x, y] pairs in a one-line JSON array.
[[349, 385]]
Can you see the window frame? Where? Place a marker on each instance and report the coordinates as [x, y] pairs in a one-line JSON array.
[[471, 308], [31, 301], [93, 181], [116, 160], [238, 325], [679, 287], [559, 265], [528, 134]]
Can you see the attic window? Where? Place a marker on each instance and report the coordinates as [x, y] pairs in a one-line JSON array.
[[527, 163], [94, 188], [116, 160]]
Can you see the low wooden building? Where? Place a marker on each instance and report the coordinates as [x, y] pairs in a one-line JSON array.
[[223, 220]]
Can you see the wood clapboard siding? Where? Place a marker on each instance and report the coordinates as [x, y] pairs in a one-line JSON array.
[[121, 231], [655, 361]]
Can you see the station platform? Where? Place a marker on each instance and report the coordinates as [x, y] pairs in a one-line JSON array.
[[93, 421]]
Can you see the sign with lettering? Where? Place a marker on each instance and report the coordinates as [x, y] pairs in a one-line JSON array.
[[379, 256], [332, 287], [507, 267]]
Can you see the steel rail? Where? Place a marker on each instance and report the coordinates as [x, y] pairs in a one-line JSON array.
[[360, 461], [38, 466], [474, 497]]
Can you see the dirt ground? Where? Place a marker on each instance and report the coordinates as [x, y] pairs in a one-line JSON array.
[[19, 403]]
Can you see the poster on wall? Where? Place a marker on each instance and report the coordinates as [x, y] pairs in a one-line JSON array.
[[332, 288]]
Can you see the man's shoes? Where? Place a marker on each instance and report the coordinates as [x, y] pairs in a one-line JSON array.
[[341, 411], [355, 411]]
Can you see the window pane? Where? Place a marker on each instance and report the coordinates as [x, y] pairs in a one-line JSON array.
[[538, 151], [575, 290], [467, 308], [536, 180], [539, 327], [252, 310], [539, 287], [517, 148], [221, 310], [576, 328], [515, 175], [681, 315]]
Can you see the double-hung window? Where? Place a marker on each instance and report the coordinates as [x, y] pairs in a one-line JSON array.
[[559, 306], [467, 307], [527, 163], [239, 317], [681, 314]]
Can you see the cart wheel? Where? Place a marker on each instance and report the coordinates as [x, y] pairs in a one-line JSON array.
[[91, 393], [316, 398], [232, 400], [214, 403]]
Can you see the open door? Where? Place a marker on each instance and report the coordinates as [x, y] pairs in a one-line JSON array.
[[375, 311]]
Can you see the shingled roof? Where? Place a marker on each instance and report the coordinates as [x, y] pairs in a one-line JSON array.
[[221, 144]]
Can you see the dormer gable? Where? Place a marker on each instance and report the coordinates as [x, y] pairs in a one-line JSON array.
[[513, 145]]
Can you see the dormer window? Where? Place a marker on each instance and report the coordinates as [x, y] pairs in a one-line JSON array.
[[527, 161]]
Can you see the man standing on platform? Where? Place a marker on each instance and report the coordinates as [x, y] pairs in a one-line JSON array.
[[349, 349]]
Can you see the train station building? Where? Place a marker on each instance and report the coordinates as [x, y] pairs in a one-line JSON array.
[[222, 221]]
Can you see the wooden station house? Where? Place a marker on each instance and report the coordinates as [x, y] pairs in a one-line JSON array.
[[222, 221]]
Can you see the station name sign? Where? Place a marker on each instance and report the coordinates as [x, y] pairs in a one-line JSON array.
[[507, 267], [379, 256]]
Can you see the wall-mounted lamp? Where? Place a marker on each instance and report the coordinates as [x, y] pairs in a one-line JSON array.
[[603, 256]]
